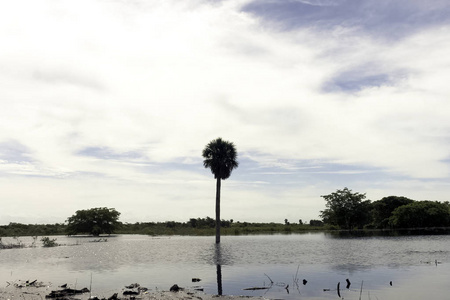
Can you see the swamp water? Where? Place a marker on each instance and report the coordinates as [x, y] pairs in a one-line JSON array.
[[418, 266]]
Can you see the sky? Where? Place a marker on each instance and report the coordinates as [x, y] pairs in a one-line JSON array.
[[109, 103]]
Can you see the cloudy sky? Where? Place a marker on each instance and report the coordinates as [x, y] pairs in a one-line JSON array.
[[109, 103]]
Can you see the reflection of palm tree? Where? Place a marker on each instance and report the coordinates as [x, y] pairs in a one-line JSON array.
[[221, 157], [219, 280], [218, 260]]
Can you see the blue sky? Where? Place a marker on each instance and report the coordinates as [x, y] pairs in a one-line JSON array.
[[110, 103]]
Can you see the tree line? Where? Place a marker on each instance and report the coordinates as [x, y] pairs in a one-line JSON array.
[[193, 226], [349, 210], [344, 210]]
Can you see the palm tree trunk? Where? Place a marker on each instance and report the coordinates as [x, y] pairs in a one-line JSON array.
[[218, 211]]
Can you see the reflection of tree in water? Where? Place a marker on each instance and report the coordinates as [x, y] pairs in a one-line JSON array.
[[219, 280], [218, 255], [218, 260], [221, 257]]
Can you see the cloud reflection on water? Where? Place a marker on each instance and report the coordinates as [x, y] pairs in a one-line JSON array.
[[242, 262]]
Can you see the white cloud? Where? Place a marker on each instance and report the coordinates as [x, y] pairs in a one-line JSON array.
[[153, 82]]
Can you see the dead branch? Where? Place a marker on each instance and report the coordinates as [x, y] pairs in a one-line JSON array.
[[271, 281]]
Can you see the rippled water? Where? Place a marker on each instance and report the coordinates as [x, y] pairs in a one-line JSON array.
[[244, 262]]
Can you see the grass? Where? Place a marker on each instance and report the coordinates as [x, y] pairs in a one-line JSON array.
[[18, 244], [234, 229], [203, 227]]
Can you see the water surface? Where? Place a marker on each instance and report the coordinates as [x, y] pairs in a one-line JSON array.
[[417, 266]]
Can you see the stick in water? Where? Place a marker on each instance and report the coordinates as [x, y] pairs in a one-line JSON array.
[[269, 278], [361, 290]]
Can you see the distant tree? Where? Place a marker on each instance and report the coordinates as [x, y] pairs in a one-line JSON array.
[[315, 223], [382, 209], [300, 222], [221, 157], [206, 222], [286, 222], [193, 222], [225, 223], [171, 224], [202, 222], [419, 214], [346, 209], [93, 221]]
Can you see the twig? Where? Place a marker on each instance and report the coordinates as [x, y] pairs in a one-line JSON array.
[[361, 290], [296, 274], [271, 281], [257, 288], [90, 288]]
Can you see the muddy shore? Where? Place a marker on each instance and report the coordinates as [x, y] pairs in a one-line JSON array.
[[43, 291]]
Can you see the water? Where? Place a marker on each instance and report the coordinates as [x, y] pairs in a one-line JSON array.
[[280, 262]]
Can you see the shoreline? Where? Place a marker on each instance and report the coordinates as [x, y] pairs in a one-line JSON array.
[[40, 292]]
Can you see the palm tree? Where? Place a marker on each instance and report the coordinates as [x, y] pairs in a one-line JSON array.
[[221, 157]]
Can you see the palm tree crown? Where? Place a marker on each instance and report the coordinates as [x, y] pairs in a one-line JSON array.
[[221, 157]]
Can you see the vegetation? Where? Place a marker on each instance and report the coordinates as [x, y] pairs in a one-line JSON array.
[[344, 210], [18, 229], [206, 226], [18, 244], [48, 242], [421, 214], [198, 227], [382, 209], [93, 221], [316, 223], [347, 210], [221, 157], [194, 226]]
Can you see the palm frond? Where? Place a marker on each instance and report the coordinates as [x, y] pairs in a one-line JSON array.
[[221, 157]]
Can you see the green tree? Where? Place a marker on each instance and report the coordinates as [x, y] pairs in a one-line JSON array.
[[420, 214], [221, 157], [346, 209], [93, 221], [382, 209]]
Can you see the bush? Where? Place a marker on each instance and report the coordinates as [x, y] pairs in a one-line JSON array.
[[47, 242], [316, 223]]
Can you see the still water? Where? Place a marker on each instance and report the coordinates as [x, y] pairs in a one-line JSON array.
[[417, 266]]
